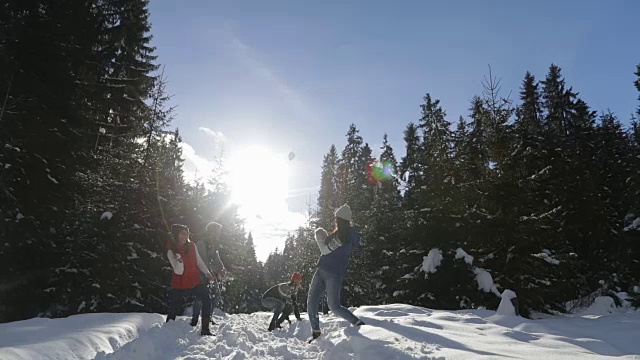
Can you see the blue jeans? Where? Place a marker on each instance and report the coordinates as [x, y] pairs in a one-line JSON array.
[[274, 305], [332, 283]]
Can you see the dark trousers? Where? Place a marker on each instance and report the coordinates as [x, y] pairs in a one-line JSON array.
[[274, 305], [176, 295], [197, 305]]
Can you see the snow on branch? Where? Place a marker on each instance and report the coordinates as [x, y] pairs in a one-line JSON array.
[[485, 281], [635, 225], [431, 262], [461, 254], [546, 256]]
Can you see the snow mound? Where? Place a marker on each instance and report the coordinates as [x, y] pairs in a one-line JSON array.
[[393, 331], [601, 305], [506, 307], [75, 337]]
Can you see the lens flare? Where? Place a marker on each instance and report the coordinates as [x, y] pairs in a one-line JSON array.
[[380, 171]]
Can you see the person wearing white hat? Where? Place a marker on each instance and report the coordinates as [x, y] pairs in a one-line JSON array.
[[336, 249]]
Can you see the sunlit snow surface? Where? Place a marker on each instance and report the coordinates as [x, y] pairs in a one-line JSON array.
[[392, 332]]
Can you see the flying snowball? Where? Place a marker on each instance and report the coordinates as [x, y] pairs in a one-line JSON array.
[[292, 155]]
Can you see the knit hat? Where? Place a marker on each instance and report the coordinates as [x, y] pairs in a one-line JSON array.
[[212, 226], [296, 277], [176, 228], [344, 212]]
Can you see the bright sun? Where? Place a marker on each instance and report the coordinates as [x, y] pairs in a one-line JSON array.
[[258, 178]]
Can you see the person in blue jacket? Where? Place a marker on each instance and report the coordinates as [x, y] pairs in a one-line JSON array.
[[336, 249]]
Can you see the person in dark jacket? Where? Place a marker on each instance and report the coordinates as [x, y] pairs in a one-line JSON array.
[[282, 299], [336, 249], [208, 249]]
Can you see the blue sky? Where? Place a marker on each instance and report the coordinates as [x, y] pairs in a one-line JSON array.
[[292, 75]]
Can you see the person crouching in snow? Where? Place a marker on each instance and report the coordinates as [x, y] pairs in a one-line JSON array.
[[336, 249], [185, 280], [277, 297]]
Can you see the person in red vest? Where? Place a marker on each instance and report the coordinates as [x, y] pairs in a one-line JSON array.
[[185, 279]]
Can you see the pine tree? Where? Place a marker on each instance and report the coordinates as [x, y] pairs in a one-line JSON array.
[[434, 228], [384, 226], [436, 178], [328, 195], [57, 68], [252, 295], [631, 230], [273, 269], [352, 173], [410, 168], [498, 115]]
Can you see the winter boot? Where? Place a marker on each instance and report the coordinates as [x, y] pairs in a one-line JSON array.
[[194, 321], [315, 334], [205, 327], [281, 320]]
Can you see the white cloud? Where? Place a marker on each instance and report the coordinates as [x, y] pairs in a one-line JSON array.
[[217, 135], [270, 231], [195, 166]]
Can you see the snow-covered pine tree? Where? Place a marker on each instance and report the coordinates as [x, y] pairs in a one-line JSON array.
[[410, 168], [353, 185], [328, 196], [252, 295], [384, 225], [570, 135], [522, 228], [432, 235], [355, 190], [632, 218], [614, 164], [41, 140], [274, 269]]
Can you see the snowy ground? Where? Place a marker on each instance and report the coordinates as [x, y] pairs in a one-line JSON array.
[[392, 332]]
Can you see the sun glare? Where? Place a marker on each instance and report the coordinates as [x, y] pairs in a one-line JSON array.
[[258, 178]]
